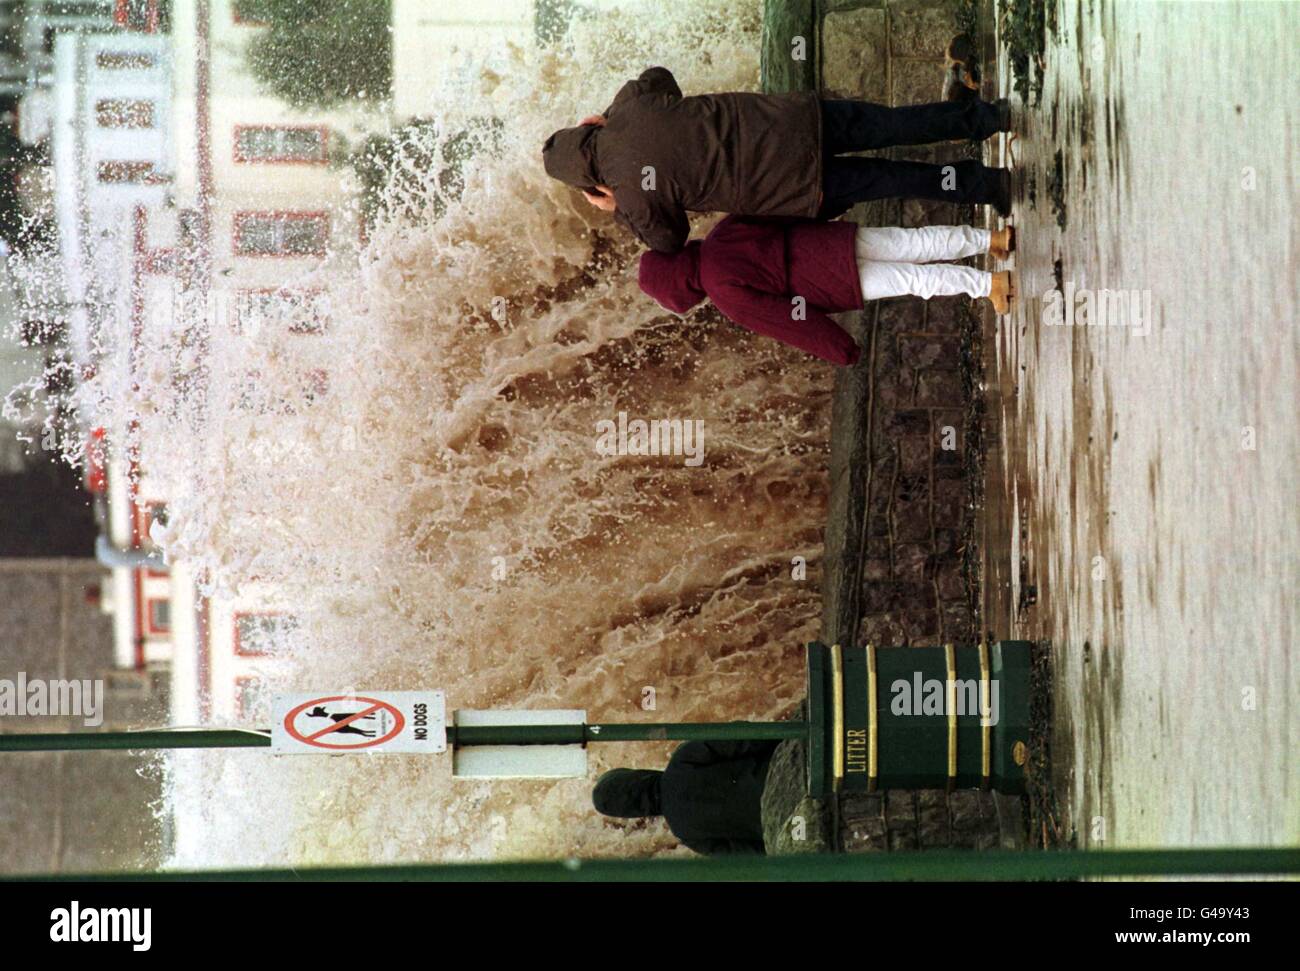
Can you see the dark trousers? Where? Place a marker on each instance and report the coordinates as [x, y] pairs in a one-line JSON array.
[[856, 126]]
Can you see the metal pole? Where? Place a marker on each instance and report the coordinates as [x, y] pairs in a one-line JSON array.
[[926, 865], [94, 741], [457, 735], [629, 732]]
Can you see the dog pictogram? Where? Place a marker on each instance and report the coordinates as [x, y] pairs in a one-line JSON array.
[[346, 718], [350, 722]]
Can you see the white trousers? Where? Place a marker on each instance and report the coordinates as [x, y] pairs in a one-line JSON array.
[[895, 262]]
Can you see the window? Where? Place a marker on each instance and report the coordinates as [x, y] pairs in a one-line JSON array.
[[250, 395], [82, 9], [283, 311], [254, 394], [281, 233], [160, 616], [147, 16], [258, 634], [124, 113], [124, 60], [285, 143], [314, 384], [123, 173]]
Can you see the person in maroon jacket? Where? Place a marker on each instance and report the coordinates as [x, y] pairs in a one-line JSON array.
[[783, 278]]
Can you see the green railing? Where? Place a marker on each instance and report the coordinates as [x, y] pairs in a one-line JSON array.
[[457, 735], [930, 865]]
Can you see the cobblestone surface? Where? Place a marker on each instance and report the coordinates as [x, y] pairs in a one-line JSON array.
[[908, 399]]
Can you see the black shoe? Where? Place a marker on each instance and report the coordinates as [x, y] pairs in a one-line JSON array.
[[1004, 114], [1001, 201]]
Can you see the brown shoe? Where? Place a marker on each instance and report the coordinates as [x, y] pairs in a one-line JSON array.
[[1002, 242], [1001, 293]]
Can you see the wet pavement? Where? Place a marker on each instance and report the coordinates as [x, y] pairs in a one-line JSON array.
[[1142, 487]]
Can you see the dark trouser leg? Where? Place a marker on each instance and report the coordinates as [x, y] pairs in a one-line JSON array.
[[857, 126], [846, 181]]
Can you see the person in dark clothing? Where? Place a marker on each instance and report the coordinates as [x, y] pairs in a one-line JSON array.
[[710, 795], [756, 270], [654, 155], [856, 126]]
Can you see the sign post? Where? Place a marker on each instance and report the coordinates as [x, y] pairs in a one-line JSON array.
[[893, 718], [457, 735]]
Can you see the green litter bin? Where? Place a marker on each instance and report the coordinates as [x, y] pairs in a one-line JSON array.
[[918, 717]]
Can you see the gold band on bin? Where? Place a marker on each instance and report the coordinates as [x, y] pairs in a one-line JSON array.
[[986, 729], [873, 720], [837, 709], [950, 656]]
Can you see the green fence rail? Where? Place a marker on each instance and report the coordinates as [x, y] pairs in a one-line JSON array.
[[457, 735], [929, 865]]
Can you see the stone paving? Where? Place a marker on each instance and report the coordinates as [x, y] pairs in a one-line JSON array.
[[901, 520], [73, 811]]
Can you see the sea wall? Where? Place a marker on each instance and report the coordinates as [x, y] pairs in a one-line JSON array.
[[900, 562]]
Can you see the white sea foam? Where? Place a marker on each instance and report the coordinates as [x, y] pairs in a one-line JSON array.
[[440, 516]]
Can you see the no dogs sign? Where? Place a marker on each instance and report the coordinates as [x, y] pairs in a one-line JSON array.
[[382, 721]]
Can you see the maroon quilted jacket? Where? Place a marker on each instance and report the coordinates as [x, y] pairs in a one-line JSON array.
[[754, 269]]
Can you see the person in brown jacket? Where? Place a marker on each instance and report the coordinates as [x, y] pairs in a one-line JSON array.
[[654, 154]]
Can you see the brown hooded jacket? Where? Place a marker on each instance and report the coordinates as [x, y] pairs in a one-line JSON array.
[[663, 154]]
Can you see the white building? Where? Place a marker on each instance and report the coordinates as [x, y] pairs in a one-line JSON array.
[[113, 162], [113, 155], [270, 203], [174, 170]]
